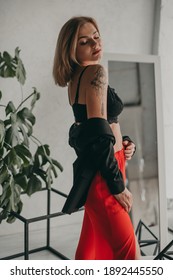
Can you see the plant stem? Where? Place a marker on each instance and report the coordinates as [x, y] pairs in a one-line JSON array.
[[21, 88], [36, 140], [24, 101]]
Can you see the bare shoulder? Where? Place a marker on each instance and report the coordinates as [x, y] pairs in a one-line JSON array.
[[96, 76], [96, 91]]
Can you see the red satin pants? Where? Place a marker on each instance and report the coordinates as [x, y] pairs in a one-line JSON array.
[[107, 232]]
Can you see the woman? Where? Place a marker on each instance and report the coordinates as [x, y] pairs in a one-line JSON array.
[[107, 232]]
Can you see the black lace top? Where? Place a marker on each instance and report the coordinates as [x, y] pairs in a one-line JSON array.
[[114, 105]]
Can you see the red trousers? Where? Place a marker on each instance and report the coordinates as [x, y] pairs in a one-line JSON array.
[[107, 232]]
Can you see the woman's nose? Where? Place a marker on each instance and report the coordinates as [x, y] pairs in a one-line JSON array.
[[93, 43]]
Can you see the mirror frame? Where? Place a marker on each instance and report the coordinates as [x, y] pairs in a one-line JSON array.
[[155, 60]]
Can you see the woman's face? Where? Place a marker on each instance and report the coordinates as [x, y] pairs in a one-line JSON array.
[[89, 47]]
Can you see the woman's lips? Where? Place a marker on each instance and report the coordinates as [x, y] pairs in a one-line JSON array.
[[96, 52]]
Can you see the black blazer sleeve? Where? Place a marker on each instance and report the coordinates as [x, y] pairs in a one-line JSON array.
[[96, 136], [93, 142], [104, 159]]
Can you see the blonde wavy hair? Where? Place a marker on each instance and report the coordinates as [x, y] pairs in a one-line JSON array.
[[65, 52]]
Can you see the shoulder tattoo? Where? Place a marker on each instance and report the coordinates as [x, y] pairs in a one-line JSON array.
[[99, 80], [98, 83]]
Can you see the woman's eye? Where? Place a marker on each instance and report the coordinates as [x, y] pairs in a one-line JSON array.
[[96, 35], [83, 43]]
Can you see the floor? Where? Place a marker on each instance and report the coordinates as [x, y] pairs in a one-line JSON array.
[[65, 230], [63, 239]]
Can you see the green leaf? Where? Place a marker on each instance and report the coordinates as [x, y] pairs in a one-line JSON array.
[[10, 108], [18, 130], [7, 68], [49, 179], [14, 202], [20, 73], [5, 197], [24, 134], [25, 120], [19, 127], [36, 97], [4, 174], [2, 133], [1, 152], [24, 153], [41, 173], [11, 219], [42, 158], [7, 57], [55, 162], [34, 185], [3, 215], [12, 160], [20, 69], [8, 72], [12, 67], [0, 59], [17, 52], [43, 153], [16, 157], [21, 149], [15, 197], [21, 180], [26, 115], [7, 122], [11, 137], [54, 170]]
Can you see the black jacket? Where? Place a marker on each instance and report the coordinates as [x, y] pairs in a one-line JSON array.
[[93, 142]]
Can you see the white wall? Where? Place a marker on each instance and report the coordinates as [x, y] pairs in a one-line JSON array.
[[126, 27], [166, 54]]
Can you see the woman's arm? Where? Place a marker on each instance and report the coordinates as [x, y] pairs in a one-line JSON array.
[[96, 100], [96, 92]]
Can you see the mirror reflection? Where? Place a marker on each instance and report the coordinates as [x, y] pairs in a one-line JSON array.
[[134, 82]]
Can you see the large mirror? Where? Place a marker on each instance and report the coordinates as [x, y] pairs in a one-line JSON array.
[[136, 80]]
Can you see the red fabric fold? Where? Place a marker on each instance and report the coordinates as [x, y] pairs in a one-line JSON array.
[[107, 231]]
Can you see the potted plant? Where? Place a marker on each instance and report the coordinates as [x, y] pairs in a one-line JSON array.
[[21, 169]]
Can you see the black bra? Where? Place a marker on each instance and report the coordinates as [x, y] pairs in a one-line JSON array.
[[114, 105]]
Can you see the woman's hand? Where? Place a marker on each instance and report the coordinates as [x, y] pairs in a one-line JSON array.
[[129, 149], [125, 198]]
